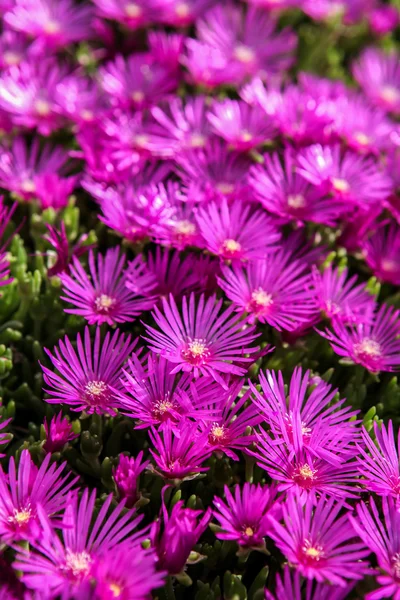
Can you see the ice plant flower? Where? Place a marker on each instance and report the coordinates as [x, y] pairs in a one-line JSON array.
[[104, 297], [274, 290], [245, 516], [381, 251], [58, 433], [206, 341], [86, 378], [236, 232], [321, 544], [381, 537], [54, 191], [179, 451], [26, 488], [64, 253], [378, 74], [133, 14], [209, 66], [374, 345], [180, 13], [290, 586], [126, 476], [64, 566], [340, 297]]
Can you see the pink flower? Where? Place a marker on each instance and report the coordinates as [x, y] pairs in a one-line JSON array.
[[58, 433], [382, 252], [126, 477], [378, 74]]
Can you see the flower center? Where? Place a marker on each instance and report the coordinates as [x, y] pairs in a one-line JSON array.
[[390, 94], [246, 136], [225, 188], [97, 393], [162, 408], [11, 58], [217, 434], [133, 11], [197, 140], [231, 248], [390, 266], [185, 227], [28, 186], [42, 108], [115, 589], [368, 351], [77, 564], [141, 141], [196, 352], [261, 298], [244, 54], [312, 552], [182, 10], [138, 97], [304, 476], [249, 532], [340, 185], [104, 304], [21, 517], [87, 115], [362, 138], [51, 27], [296, 201]]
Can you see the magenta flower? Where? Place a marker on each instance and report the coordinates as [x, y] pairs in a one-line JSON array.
[[136, 81], [339, 297], [6, 214], [180, 13], [318, 542], [64, 253], [14, 47], [274, 290], [21, 165], [245, 517], [167, 49], [179, 450], [23, 490], [285, 193], [87, 378], [236, 232], [29, 94], [58, 433], [81, 100], [126, 477], [209, 66], [4, 436], [54, 191], [103, 298], [323, 10], [52, 23], [383, 19], [64, 566], [378, 74], [242, 126], [374, 345], [382, 252], [379, 461], [134, 15], [298, 414], [175, 539], [180, 230], [290, 586], [347, 177], [206, 341]]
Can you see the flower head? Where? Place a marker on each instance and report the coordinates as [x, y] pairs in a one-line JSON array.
[[381, 251], [245, 516], [379, 76], [86, 378], [126, 477], [180, 13], [58, 433], [290, 586], [133, 14], [64, 253]]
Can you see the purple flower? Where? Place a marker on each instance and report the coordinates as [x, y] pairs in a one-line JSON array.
[[318, 542], [180, 13], [88, 377], [166, 49], [209, 66], [54, 191], [290, 586], [64, 253], [381, 537], [245, 517], [4, 436], [126, 477], [14, 47], [274, 290], [175, 539], [242, 126], [383, 19], [58, 433], [285, 193], [27, 488], [348, 177], [81, 100], [52, 23], [21, 165], [6, 214], [103, 298], [179, 450], [378, 74], [374, 345], [340, 298], [64, 566], [236, 232], [382, 252], [180, 230], [323, 10], [206, 341], [134, 15]]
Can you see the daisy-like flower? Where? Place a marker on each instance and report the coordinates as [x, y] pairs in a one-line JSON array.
[[126, 477], [291, 584], [242, 126], [382, 252], [6, 214], [179, 451], [340, 297], [166, 49], [250, 41], [180, 230], [180, 13], [29, 94], [63, 567], [285, 193], [22, 167], [81, 100], [325, 10], [379, 76], [103, 297], [136, 81], [54, 191], [64, 252], [318, 542], [133, 14], [209, 66], [347, 177], [58, 433], [87, 378], [310, 404], [26, 488], [4, 436], [374, 345], [236, 232], [274, 290], [175, 535], [245, 516], [379, 462], [302, 471], [381, 537], [205, 341], [52, 23], [14, 47]]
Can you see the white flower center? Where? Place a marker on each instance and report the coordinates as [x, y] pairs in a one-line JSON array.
[[296, 201], [244, 54], [133, 11], [104, 303], [340, 185]]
